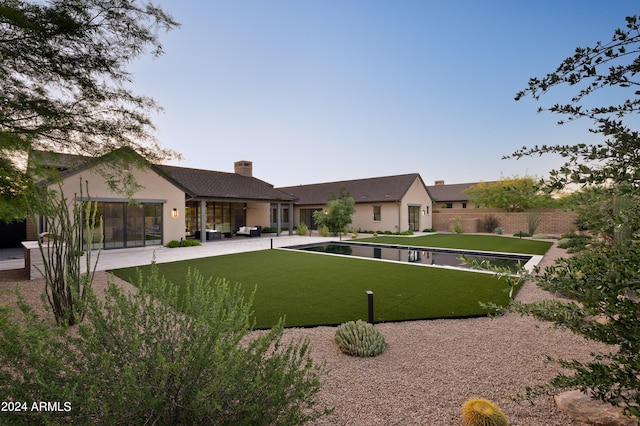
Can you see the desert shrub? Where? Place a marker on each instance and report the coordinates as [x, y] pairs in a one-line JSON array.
[[302, 229], [360, 338], [139, 360], [481, 412], [490, 223], [573, 242], [456, 226], [323, 231], [522, 234], [540, 236], [499, 230], [534, 219]]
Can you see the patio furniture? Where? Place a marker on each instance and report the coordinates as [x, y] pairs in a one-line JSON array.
[[250, 231]]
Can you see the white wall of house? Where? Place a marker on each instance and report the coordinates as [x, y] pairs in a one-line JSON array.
[[153, 187]]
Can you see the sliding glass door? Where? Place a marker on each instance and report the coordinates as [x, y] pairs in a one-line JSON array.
[[128, 225]]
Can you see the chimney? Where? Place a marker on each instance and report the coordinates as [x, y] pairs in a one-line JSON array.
[[243, 167], [439, 182]]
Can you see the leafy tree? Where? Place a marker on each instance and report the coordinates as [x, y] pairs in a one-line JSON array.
[[63, 81], [603, 282], [614, 65], [137, 359], [511, 194], [339, 214]]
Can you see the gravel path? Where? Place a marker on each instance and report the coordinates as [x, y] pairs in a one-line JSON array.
[[430, 368]]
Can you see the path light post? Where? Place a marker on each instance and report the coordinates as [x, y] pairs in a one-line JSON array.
[[370, 303]]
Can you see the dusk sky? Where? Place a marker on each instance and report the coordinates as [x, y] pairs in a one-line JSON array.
[[324, 90]]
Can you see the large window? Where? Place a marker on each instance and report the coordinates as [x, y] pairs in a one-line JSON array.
[[222, 216], [128, 225]]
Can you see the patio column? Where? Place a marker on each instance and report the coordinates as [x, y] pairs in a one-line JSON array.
[[279, 219], [203, 221], [291, 219]]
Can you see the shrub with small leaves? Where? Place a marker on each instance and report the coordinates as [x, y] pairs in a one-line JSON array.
[[481, 412], [359, 338]]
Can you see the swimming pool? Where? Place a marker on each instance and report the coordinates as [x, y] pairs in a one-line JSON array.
[[414, 254]]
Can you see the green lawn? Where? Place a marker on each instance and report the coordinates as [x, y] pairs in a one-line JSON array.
[[313, 289], [468, 242]]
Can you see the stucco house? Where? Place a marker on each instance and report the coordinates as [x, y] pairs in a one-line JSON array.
[[389, 203], [173, 202]]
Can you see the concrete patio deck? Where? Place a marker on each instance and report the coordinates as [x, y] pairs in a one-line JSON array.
[[138, 256]]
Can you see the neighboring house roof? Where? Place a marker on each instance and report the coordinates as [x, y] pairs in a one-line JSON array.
[[198, 183], [453, 192], [372, 190]]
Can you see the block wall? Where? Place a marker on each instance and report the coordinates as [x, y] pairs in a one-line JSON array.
[[554, 222]]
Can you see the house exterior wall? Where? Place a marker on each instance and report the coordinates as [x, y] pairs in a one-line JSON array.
[[258, 214], [154, 187], [394, 215], [416, 195]]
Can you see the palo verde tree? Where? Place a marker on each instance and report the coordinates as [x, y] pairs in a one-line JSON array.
[[602, 283], [511, 194], [63, 83], [340, 212]]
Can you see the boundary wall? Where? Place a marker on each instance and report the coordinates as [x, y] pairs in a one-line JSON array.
[[553, 222]]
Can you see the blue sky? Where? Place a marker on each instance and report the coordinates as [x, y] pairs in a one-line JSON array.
[[326, 90]]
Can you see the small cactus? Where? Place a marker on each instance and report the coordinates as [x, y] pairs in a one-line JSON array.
[[481, 412], [359, 338]]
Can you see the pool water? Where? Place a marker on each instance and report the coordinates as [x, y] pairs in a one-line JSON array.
[[415, 255]]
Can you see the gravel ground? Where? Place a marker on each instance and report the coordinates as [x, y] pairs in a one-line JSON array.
[[430, 368]]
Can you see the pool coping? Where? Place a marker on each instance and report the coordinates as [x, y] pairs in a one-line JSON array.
[[529, 266]]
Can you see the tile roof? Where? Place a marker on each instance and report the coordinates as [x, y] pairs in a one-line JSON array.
[[214, 184], [379, 189], [194, 182]]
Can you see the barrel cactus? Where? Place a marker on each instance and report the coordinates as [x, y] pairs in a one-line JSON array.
[[359, 338], [481, 412]]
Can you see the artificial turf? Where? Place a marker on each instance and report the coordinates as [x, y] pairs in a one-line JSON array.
[[467, 242], [314, 289]]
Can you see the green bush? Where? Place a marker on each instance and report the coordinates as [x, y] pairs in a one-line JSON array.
[[456, 226], [522, 234], [302, 229], [139, 360], [269, 230], [360, 338], [573, 242], [183, 243], [428, 230], [540, 236], [323, 231]]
